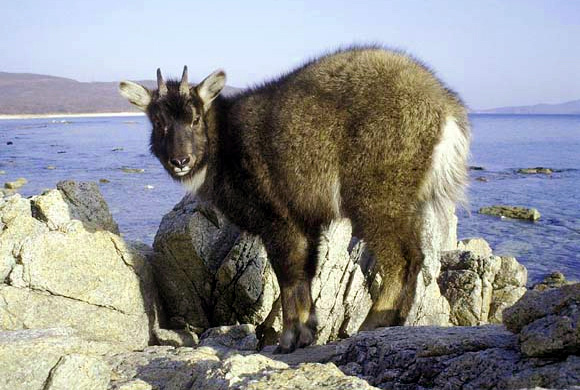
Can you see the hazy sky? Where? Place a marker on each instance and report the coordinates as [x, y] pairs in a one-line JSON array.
[[494, 53]]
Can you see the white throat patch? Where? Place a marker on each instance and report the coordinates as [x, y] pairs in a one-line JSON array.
[[196, 181]]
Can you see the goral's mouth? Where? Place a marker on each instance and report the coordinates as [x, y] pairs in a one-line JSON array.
[[180, 172]]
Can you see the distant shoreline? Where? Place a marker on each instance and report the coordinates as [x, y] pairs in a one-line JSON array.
[[79, 115]]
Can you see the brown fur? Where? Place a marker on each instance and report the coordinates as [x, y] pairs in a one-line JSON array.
[[350, 134]]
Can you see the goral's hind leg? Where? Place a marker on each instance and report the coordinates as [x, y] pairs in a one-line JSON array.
[[289, 252], [395, 244]]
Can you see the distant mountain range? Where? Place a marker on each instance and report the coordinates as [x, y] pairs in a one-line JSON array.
[[26, 93], [569, 108]]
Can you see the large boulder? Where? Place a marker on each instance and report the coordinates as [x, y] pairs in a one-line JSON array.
[[211, 274], [548, 322], [63, 264]]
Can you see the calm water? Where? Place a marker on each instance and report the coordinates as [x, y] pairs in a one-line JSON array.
[[84, 149]]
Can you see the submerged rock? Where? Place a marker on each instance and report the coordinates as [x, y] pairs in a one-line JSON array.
[[540, 170], [16, 184], [553, 280], [132, 170], [530, 214]]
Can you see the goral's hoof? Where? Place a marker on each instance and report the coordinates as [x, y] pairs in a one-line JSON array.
[[299, 336]]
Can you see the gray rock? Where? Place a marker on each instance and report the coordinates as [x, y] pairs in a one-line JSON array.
[[466, 282], [27, 358], [63, 267], [246, 286], [190, 245], [397, 357], [479, 285], [553, 280], [176, 338], [530, 214], [88, 205], [78, 371], [531, 171], [218, 369], [476, 245], [16, 184], [132, 170], [547, 321], [240, 337], [207, 270], [450, 358]]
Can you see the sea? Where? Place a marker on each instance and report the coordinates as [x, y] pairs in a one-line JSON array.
[[45, 151]]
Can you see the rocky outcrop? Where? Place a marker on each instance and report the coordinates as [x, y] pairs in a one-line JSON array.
[[530, 214], [210, 274], [548, 322], [63, 265], [399, 357]]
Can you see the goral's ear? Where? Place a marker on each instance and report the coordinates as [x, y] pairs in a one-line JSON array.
[[137, 94], [209, 88]]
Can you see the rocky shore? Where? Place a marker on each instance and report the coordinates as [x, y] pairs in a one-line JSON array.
[[80, 308]]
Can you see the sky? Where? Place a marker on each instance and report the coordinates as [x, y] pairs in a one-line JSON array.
[[494, 53]]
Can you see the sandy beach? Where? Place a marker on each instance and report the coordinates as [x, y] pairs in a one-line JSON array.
[[79, 115]]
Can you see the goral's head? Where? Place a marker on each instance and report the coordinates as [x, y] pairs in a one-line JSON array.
[[177, 112]]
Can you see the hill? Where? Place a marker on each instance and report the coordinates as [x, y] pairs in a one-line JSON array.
[[567, 108], [27, 93]]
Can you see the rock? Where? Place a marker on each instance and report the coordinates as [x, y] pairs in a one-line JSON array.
[[451, 358], [482, 179], [28, 357], [132, 170], [210, 274], [62, 267], [87, 204], [530, 214], [104, 181], [553, 280], [466, 282], [541, 170], [425, 357], [219, 369], [118, 149], [478, 246], [2, 172], [246, 286], [476, 168], [479, 285], [240, 337], [547, 321], [50, 167], [429, 306], [6, 192], [190, 245], [14, 185], [176, 338], [78, 371]]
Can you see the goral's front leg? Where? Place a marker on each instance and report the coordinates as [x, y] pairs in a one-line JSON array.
[[299, 318]]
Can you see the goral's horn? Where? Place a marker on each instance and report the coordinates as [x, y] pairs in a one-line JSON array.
[[184, 85], [161, 87]]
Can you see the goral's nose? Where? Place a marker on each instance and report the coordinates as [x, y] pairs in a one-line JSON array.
[[179, 162]]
